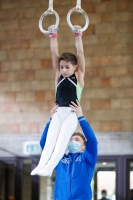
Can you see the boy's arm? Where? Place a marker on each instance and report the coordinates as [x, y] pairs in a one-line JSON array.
[[54, 52], [80, 58]]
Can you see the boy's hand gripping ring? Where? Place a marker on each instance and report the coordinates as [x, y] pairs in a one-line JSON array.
[[78, 9], [49, 11]]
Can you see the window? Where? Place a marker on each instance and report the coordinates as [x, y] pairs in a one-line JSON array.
[[104, 179]]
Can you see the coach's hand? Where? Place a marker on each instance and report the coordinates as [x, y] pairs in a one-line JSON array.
[[76, 108]]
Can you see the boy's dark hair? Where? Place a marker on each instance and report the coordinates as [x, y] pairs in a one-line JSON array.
[[68, 57], [81, 135]]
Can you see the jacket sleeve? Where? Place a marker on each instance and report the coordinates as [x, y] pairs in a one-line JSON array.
[[44, 135], [91, 151]]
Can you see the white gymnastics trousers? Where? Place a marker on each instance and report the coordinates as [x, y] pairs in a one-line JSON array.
[[62, 126]]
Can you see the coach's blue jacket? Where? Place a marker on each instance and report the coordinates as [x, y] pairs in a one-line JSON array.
[[74, 172]]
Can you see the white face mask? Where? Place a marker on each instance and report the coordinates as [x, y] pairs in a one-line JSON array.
[[74, 146], [103, 195]]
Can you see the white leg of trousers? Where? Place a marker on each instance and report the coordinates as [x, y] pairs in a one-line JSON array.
[[52, 135], [68, 128]]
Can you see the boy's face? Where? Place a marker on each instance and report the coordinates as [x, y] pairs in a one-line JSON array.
[[66, 68], [80, 140]]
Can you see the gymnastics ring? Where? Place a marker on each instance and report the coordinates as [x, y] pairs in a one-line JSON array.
[[80, 10], [49, 11]]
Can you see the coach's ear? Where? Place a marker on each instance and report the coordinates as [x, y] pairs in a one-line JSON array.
[[83, 148]]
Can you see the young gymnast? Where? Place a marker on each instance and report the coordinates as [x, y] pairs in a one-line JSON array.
[[69, 82]]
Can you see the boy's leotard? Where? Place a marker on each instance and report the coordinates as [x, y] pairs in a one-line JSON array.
[[67, 90]]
